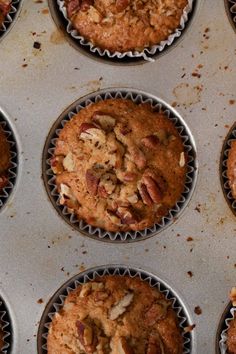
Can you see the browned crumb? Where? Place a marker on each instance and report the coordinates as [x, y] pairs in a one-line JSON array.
[[231, 102], [40, 301], [189, 239], [189, 328], [198, 310], [190, 273]]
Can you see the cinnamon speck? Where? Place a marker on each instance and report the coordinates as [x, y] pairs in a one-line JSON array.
[[190, 274], [198, 310], [24, 65]]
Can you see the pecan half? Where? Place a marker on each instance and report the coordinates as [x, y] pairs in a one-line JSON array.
[[106, 121], [144, 194], [152, 187], [151, 142]]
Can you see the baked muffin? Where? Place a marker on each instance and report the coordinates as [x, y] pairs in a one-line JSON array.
[[231, 336], [115, 315], [4, 160], [5, 6], [125, 25], [119, 165], [231, 168]]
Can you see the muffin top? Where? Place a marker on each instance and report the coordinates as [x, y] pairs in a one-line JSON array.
[[115, 315], [119, 165], [124, 25], [5, 6], [231, 337], [5, 159], [231, 168]]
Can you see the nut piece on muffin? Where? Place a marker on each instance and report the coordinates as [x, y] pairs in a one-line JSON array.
[[231, 168], [231, 338], [5, 6], [119, 165], [125, 25], [115, 315], [4, 159]]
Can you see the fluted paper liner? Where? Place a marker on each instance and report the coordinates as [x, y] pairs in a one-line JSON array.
[[223, 169], [6, 329], [224, 334], [231, 6], [57, 301], [146, 54], [189, 146], [12, 170], [9, 19]]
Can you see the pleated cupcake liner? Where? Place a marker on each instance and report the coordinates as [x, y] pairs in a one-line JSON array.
[[230, 315], [56, 303], [5, 327]]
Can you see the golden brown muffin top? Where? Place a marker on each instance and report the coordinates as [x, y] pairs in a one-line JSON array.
[[123, 25], [231, 168], [115, 315], [231, 335], [119, 165]]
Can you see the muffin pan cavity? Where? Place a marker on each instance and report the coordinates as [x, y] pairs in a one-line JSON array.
[[137, 97], [57, 301]]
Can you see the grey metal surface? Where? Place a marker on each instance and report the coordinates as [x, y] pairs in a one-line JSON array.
[[38, 250]]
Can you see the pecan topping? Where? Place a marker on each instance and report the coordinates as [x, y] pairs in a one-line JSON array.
[[151, 142], [85, 4], [122, 4], [106, 121], [138, 157], [129, 176], [152, 188], [72, 7], [92, 181], [156, 312], [127, 215], [86, 337], [121, 306], [123, 347], [85, 127], [3, 181]]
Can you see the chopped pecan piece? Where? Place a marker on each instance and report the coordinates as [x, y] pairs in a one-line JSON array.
[[85, 4], [127, 215], [68, 162], [151, 142], [3, 181], [125, 129], [156, 312], [92, 181], [121, 306], [123, 347], [86, 336], [57, 164], [138, 157], [182, 159], [130, 176], [107, 184], [106, 121], [72, 7], [93, 133], [67, 197], [121, 5]]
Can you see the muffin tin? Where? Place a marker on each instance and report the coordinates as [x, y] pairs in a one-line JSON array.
[[39, 251], [57, 300], [137, 97]]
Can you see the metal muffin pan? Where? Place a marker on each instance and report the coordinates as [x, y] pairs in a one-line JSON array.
[[83, 46], [137, 97], [39, 251], [57, 300]]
